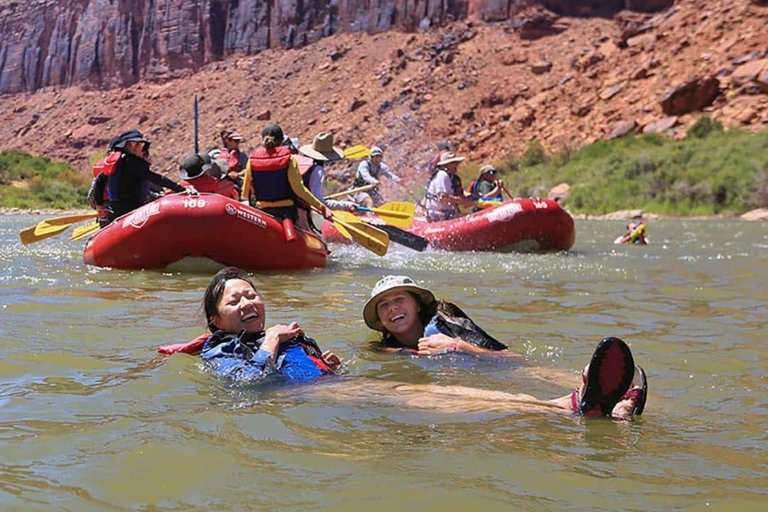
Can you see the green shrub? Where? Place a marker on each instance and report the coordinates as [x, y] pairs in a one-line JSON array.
[[44, 184]]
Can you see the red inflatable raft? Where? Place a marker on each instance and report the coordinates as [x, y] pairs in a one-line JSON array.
[[210, 226], [520, 225]]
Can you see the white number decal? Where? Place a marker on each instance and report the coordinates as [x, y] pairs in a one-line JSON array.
[[194, 203], [540, 205]]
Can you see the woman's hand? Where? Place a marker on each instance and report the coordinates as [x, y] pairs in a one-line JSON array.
[[279, 334], [438, 344], [332, 360]]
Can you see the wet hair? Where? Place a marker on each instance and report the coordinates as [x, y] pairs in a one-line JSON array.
[[426, 312], [215, 290]]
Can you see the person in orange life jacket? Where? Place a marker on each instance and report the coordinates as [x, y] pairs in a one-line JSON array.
[[236, 159], [321, 151], [411, 319], [274, 181], [198, 169], [129, 185], [444, 190], [241, 348]]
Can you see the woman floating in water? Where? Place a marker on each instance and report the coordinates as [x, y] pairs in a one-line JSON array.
[[240, 348]]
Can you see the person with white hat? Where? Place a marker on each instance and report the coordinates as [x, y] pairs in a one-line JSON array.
[[368, 173], [412, 319], [444, 190]]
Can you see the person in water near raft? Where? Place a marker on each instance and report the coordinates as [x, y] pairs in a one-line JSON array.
[[241, 349], [411, 319]]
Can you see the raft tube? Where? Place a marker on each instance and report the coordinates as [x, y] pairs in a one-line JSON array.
[[206, 226], [525, 225]]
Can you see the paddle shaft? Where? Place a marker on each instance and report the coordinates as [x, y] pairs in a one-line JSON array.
[[197, 145], [405, 238], [350, 191]]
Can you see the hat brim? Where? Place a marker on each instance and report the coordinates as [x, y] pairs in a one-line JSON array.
[[122, 143], [326, 156], [186, 176], [451, 160], [369, 310]]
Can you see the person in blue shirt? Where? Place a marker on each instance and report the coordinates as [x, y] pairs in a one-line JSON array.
[[240, 346]]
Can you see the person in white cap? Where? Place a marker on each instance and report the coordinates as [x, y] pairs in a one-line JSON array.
[[236, 159], [444, 192], [368, 173]]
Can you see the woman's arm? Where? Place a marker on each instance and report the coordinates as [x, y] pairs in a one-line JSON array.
[[443, 344]]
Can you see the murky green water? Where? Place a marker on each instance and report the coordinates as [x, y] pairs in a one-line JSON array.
[[92, 419]]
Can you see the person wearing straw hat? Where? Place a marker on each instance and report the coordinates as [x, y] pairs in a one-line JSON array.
[[444, 191], [198, 169], [274, 180], [322, 151], [368, 173]]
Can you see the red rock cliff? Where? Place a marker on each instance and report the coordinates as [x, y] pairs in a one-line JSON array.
[[112, 43]]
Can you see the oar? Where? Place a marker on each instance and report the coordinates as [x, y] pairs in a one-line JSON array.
[[397, 235], [356, 152], [363, 234], [350, 191], [85, 230], [504, 188], [51, 227], [396, 213]]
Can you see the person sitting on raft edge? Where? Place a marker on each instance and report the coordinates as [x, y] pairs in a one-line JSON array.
[[240, 349], [411, 319], [273, 179], [198, 170]]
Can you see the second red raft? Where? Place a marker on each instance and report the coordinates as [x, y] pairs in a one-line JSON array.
[[521, 225]]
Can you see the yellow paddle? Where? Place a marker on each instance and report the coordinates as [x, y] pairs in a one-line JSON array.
[[350, 191], [50, 227], [356, 152], [365, 235], [395, 213], [85, 230]]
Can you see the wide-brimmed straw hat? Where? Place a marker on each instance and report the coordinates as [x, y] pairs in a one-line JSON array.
[[449, 157], [322, 148], [392, 284]]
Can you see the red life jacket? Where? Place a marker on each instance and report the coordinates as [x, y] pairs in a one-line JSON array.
[[107, 165], [269, 173]]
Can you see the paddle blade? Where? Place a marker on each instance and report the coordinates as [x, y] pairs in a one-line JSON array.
[[49, 225], [85, 230], [365, 235], [31, 236], [356, 152], [396, 213]]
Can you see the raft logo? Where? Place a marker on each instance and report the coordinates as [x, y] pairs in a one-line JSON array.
[[505, 212], [245, 215], [140, 217]]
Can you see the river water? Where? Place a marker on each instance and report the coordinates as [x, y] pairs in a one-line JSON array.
[[91, 418]]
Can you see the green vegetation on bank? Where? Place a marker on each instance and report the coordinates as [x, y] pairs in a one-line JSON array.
[[710, 171], [36, 182]]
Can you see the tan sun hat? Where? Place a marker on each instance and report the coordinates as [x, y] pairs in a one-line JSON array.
[[392, 284], [322, 148], [486, 168], [449, 157]]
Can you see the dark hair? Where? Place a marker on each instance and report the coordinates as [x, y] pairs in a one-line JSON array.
[[426, 312], [215, 290], [272, 136]]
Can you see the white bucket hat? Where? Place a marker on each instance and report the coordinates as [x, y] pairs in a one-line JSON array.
[[449, 157], [392, 284]]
